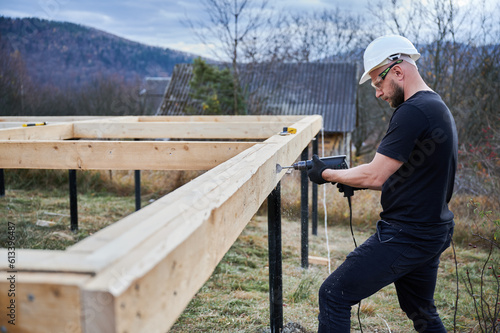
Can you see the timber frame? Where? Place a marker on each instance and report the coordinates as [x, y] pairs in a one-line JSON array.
[[138, 274]]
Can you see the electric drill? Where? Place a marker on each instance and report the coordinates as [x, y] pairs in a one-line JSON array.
[[332, 162]]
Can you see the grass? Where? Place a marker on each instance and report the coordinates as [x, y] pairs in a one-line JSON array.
[[235, 298], [103, 198], [26, 208]]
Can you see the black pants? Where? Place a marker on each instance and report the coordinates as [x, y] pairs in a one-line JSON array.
[[404, 254]]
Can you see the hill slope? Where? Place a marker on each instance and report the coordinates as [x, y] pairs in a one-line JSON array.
[[64, 53]]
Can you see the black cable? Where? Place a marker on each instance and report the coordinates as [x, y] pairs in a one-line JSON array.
[[350, 221], [355, 246], [456, 272]]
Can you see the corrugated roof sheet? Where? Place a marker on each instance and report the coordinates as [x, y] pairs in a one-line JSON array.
[[327, 89]]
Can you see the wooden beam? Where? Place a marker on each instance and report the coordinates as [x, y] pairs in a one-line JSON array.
[[56, 128], [313, 260], [182, 127], [232, 119], [201, 222], [117, 155], [242, 119], [94, 253], [50, 119], [178, 130], [144, 269], [52, 261], [46, 132], [44, 302], [11, 124]]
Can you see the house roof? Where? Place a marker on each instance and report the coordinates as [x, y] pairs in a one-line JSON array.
[[327, 89]]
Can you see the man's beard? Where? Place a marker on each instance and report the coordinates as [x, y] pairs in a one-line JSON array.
[[398, 95]]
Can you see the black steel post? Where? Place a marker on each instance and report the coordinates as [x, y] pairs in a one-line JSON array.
[[314, 212], [2, 183], [304, 212], [137, 177], [73, 201], [275, 259]]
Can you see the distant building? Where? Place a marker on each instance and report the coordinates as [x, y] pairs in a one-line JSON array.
[[327, 89]]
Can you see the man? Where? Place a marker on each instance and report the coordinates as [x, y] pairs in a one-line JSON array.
[[414, 167]]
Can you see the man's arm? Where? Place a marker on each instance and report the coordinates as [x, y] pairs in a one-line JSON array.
[[371, 175]]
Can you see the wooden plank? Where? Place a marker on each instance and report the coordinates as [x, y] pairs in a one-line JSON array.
[[99, 310], [156, 279], [47, 132], [44, 302], [313, 260], [178, 130], [130, 231], [122, 237], [11, 124], [233, 119], [52, 261], [50, 119], [53, 130], [134, 228], [117, 155]]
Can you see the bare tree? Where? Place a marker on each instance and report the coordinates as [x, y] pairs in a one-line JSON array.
[[337, 33], [461, 61], [431, 28], [316, 36], [230, 23]]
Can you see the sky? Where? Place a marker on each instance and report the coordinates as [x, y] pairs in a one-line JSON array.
[[151, 22], [158, 22]]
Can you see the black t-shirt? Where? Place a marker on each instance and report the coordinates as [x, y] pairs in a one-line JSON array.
[[423, 135]]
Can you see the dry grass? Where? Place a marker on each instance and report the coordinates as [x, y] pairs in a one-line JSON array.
[[230, 301], [379, 313], [235, 298], [103, 198], [366, 203]]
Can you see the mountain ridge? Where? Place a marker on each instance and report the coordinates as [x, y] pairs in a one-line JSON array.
[[63, 53]]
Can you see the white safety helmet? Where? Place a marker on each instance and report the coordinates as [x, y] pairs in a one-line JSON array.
[[386, 49]]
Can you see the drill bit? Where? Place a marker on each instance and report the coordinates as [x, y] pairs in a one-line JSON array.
[[280, 168]]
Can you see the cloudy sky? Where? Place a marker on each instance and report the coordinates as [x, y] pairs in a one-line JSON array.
[[158, 22], [152, 22]]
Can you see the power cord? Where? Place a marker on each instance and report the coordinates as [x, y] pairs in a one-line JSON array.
[[456, 274], [350, 221]]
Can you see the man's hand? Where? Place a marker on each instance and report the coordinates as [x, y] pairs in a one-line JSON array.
[[317, 169]]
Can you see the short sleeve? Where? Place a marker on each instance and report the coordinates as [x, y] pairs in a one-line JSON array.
[[407, 125]]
